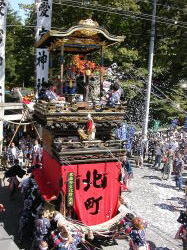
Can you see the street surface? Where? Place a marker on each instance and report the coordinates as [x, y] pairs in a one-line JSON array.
[[155, 200]]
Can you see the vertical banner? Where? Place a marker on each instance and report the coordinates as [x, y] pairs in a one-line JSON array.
[[44, 15], [3, 14]]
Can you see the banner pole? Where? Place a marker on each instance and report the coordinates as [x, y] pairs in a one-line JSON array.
[[3, 16]]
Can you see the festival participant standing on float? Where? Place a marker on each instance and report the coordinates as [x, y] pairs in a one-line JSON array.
[[91, 130]]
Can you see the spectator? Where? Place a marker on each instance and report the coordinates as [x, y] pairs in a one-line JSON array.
[[37, 153], [139, 154], [2, 208], [179, 168], [128, 173], [158, 156], [12, 153], [182, 232], [12, 174]]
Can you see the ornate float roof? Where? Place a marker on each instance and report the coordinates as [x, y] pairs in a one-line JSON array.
[[85, 37]]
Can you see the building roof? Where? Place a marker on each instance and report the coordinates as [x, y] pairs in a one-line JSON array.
[[83, 38]]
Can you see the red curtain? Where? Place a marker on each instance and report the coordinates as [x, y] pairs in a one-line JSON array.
[[45, 190], [96, 190], [96, 187], [51, 171]]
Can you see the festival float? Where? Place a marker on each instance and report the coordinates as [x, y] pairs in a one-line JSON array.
[[80, 152]]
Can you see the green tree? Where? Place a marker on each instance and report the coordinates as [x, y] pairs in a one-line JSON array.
[[19, 51]]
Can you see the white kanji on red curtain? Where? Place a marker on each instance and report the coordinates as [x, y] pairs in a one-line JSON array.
[[3, 14], [44, 14]]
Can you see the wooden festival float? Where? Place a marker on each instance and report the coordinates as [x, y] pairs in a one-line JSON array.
[[85, 172]]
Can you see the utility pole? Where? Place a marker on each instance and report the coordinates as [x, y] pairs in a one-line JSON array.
[[3, 16], [150, 70]]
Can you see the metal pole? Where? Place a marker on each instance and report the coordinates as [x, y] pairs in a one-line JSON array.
[[150, 69], [101, 71], [3, 18], [61, 69]]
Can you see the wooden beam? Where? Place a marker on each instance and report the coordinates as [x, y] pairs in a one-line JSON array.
[[15, 117], [8, 106], [87, 152], [87, 161]]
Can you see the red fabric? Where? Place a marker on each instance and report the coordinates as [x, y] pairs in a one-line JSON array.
[[24, 100], [108, 196], [51, 170], [105, 188], [89, 126], [49, 177], [45, 190]]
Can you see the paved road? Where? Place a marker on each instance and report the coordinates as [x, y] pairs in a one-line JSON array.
[[11, 217]]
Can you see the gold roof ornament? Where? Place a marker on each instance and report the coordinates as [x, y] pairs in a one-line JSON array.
[[83, 38], [91, 23]]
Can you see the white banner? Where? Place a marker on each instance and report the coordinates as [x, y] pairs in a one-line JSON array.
[[3, 14], [44, 14]]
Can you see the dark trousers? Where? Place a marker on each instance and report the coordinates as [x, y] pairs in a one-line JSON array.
[[178, 181], [157, 161]]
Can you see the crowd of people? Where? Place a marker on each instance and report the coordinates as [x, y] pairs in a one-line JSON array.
[[46, 228], [27, 152], [166, 153], [18, 158]]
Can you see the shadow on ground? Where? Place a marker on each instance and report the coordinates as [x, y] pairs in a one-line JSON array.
[[180, 201], [152, 177], [163, 185], [165, 206], [13, 206]]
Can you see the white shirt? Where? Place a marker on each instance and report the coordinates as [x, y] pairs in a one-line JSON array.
[[158, 151], [14, 151], [37, 148]]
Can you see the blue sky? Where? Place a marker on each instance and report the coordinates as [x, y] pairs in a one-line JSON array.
[[15, 6]]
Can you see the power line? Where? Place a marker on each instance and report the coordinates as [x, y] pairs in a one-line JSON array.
[[120, 9], [163, 5], [172, 103], [110, 10]]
